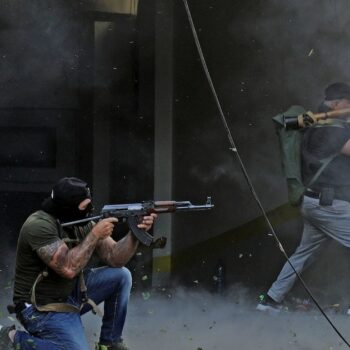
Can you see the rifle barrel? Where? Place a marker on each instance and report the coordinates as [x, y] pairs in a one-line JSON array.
[[195, 207], [91, 218]]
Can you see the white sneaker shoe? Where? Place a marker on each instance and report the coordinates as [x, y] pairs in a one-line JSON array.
[[267, 304]]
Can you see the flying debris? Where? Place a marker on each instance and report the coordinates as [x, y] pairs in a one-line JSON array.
[[146, 295]]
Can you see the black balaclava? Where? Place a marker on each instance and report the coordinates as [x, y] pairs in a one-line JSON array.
[[65, 198]]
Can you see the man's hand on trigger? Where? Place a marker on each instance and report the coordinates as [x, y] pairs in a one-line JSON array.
[[104, 227], [147, 222]]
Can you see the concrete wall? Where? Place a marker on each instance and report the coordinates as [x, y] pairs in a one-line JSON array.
[[53, 81], [263, 57]]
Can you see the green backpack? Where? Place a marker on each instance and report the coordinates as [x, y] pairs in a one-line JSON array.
[[290, 145]]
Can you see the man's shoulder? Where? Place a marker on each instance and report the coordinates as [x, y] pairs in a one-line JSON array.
[[328, 131], [331, 124], [325, 140], [38, 230], [40, 217]]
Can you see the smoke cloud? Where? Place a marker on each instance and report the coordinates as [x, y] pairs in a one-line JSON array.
[[190, 320]]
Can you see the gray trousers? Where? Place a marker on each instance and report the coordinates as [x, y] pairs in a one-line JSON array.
[[321, 223]]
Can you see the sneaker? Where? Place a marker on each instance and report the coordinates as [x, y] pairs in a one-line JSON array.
[[116, 346], [266, 303], [348, 311], [5, 341]]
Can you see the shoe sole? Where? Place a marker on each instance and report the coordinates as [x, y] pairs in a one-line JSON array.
[[267, 308]]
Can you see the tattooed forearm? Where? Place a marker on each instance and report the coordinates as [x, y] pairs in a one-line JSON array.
[[79, 256], [69, 262], [47, 252], [117, 254]]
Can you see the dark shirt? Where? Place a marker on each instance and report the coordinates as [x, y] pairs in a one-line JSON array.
[[319, 143], [39, 230]]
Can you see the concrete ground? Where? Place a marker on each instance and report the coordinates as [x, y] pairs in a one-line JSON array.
[[202, 321], [194, 320]]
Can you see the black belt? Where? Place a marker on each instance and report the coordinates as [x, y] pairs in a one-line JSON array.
[[312, 194], [338, 195]]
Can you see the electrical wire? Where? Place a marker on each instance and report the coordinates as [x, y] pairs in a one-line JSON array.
[[234, 149]]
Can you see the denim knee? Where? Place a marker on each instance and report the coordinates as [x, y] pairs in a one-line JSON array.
[[124, 277]]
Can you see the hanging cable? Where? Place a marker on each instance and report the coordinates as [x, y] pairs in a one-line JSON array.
[[234, 149]]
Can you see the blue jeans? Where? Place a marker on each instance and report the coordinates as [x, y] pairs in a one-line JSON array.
[[64, 330]]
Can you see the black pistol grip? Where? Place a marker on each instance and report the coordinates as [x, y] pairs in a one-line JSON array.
[[143, 236]]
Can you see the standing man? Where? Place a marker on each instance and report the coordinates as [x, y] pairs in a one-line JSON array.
[[53, 284], [326, 205]]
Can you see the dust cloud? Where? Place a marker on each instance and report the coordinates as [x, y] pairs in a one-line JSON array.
[[194, 320]]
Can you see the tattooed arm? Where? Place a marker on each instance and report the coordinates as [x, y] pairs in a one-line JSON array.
[[69, 262], [117, 254]]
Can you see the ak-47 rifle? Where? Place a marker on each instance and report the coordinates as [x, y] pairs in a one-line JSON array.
[[131, 213]]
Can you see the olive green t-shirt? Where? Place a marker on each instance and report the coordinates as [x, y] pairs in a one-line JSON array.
[[39, 230]]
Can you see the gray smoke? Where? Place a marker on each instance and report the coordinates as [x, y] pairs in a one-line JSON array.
[[190, 320], [222, 169], [197, 320], [7, 268], [304, 40], [39, 53]]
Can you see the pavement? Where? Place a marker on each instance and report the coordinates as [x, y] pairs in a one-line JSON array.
[[189, 320], [198, 320]]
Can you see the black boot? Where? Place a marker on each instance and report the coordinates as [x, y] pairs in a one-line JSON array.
[[116, 346], [5, 341]]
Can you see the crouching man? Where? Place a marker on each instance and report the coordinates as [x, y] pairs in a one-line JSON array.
[[53, 284]]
